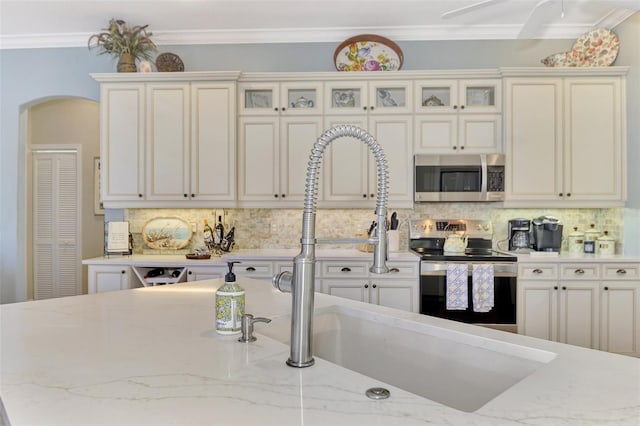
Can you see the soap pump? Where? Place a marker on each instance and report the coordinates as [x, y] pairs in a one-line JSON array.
[[229, 304]]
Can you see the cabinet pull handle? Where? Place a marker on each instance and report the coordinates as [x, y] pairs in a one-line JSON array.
[[564, 288], [394, 270], [606, 288], [345, 269], [537, 271], [250, 269], [366, 286], [555, 287], [621, 271], [579, 271]]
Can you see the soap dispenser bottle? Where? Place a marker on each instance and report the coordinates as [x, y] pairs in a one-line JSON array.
[[229, 304]]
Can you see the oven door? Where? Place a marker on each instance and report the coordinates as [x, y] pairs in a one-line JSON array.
[[433, 290]]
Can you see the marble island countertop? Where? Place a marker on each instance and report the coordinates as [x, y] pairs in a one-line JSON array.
[[151, 356]]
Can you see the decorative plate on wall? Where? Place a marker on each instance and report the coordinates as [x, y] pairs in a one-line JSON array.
[[368, 52], [162, 233]]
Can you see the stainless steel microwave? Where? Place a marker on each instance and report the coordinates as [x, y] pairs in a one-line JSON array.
[[461, 177]]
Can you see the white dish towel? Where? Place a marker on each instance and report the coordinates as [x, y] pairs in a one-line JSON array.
[[482, 288], [457, 286]]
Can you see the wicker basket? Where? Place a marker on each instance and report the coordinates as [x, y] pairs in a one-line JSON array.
[[169, 62]]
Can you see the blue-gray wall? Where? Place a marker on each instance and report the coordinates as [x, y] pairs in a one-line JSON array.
[[28, 76]]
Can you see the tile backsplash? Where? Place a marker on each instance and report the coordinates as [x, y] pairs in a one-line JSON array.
[[281, 228]]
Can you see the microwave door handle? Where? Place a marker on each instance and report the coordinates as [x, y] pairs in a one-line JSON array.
[[483, 178]]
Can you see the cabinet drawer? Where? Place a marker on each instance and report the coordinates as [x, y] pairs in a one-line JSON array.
[[254, 269], [399, 270], [581, 271], [344, 269], [535, 271], [621, 271]]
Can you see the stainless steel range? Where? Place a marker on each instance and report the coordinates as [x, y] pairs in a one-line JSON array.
[[477, 285]]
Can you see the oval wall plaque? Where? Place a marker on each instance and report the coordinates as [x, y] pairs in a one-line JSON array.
[[166, 233]]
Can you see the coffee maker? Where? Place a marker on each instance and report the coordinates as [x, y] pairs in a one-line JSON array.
[[520, 235], [546, 234]]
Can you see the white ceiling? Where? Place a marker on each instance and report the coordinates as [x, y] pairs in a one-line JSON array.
[[58, 23]]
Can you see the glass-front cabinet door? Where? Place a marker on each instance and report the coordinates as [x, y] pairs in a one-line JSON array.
[[301, 98], [446, 96], [390, 97], [259, 98], [346, 97]]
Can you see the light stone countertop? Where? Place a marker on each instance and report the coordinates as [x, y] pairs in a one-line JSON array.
[[150, 356], [565, 257], [255, 254]]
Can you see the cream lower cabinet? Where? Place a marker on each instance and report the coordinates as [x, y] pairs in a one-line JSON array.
[[209, 272], [557, 309], [352, 280], [594, 305], [103, 278], [563, 148], [620, 309]]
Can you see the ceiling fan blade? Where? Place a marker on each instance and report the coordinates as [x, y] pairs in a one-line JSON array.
[[462, 10], [535, 19]]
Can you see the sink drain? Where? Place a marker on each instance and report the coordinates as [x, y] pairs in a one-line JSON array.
[[378, 393]]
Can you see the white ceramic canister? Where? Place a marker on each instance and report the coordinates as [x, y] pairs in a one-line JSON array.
[[575, 241], [606, 245], [592, 233]]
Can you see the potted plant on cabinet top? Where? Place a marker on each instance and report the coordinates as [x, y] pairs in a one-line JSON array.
[[124, 42]]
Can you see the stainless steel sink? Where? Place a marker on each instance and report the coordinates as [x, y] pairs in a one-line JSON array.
[[460, 370]]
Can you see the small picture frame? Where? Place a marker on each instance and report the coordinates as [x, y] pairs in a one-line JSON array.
[[98, 208]]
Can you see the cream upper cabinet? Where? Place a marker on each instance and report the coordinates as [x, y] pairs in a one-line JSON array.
[[122, 142], [281, 99], [565, 141], [168, 142], [458, 116], [368, 97]]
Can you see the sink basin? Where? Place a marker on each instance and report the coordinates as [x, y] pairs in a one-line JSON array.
[[460, 370]]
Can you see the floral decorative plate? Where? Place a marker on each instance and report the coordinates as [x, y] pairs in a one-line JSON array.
[[368, 52], [599, 47], [164, 233]]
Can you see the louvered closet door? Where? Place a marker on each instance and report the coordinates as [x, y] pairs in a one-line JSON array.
[[56, 224]]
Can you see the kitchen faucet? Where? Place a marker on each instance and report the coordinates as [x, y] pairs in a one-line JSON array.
[[301, 283]]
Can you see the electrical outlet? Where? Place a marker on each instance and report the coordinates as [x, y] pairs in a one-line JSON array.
[[218, 213]]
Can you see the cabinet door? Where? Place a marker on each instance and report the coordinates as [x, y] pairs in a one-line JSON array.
[[395, 136], [538, 309], [579, 313], [390, 97], [168, 125], [259, 99], [480, 96], [620, 317], [199, 273], [346, 175], [301, 98], [399, 294], [534, 139], [346, 97], [213, 130], [593, 166], [349, 289], [259, 159], [122, 142], [436, 133], [479, 134], [108, 278], [297, 137], [436, 96]]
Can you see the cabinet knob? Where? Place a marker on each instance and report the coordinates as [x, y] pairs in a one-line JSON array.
[[394, 270], [283, 109], [364, 195], [185, 195], [579, 271], [462, 147], [374, 286], [139, 195], [364, 108], [537, 271], [564, 288], [621, 271], [371, 108], [606, 288], [283, 195], [193, 195], [455, 147], [250, 269], [560, 194], [123, 272], [275, 109], [345, 269], [555, 287], [568, 194], [275, 195], [190, 272], [455, 107], [366, 286], [372, 195], [461, 106]]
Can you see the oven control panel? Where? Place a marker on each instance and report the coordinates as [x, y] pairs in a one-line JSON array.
[[440, 228]]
